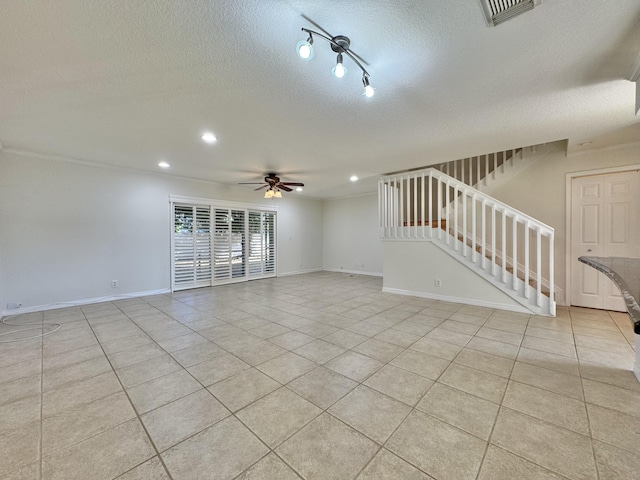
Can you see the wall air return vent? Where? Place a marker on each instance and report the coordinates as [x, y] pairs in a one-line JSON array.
[[499, 11]]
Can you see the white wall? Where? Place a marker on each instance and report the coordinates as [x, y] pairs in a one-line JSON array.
[[540, 191], [67, 230], [351, 237], [411, 268]]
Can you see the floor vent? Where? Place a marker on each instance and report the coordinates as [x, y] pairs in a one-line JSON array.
[[499, 11]]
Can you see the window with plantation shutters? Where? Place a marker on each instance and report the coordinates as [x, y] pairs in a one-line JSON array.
[[229, 244], [262, 243], [214, 244], [191, 246]]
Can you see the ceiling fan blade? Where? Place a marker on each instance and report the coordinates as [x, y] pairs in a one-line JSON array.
[[293, 184], [250, 183], [260, 188], [284, 187]]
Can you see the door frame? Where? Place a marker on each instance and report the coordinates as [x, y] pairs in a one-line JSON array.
[[568, 217]]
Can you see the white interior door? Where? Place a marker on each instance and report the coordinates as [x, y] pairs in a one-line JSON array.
[[604, 223]]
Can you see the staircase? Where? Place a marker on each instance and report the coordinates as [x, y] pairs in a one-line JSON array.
[[508, 248]]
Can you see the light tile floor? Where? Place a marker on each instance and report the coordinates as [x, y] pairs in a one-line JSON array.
[[318, 376]]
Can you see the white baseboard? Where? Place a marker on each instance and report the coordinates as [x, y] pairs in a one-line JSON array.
[[86, 301], [353, 272], [300, 272], [466, 301]]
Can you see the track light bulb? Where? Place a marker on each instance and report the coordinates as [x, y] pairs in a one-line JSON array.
[[368, 89], [305, 48], [339, 70]]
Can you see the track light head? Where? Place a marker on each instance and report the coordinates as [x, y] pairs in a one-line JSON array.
[[339, 70], [368, 89], [305, 48]]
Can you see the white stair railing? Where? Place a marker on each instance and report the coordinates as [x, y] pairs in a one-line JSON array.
[[508, 247], [477, 170]]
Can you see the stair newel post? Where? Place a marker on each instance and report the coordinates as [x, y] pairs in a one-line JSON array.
[[552, 303], [396, 217], [446, 214], [406, 210], [463, 167], [430, 193], [504, 246], [477, 172], [422, 205], [484, 233], [380, 207], [401, 207], [526, 258], [455, 217], [465, 228], [415, 206], [439, 209], [538, 266], [494, 243], [514, 245], [474, 206]]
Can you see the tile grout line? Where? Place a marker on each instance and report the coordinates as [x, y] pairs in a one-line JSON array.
[[510, 378], [135, 410], [500, 406]]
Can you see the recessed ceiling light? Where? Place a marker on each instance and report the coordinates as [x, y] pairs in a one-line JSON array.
[[354, 178], [209, 137], [299, 189], [163, 165]]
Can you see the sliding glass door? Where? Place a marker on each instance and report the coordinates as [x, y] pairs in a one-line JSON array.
[[262, 244], [214, 245], [191, 246]]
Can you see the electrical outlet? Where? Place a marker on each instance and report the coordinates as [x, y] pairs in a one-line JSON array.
[[114, 283], [437, 282]]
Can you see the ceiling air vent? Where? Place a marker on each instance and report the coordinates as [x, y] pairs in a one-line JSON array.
[[499, 11]]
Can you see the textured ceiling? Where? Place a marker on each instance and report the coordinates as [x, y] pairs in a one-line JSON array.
[[130, 83]]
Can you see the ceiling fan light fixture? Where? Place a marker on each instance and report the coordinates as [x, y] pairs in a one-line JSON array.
[[339, 70], [277, 194], [305, 48], [269, 194]]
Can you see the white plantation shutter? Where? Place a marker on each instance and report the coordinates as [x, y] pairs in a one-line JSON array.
[[191, 246], [222, 245], [262, 242], [229, 245], [214, 245], [269, 236], [255, 244], [202, 236], [238, 247]]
